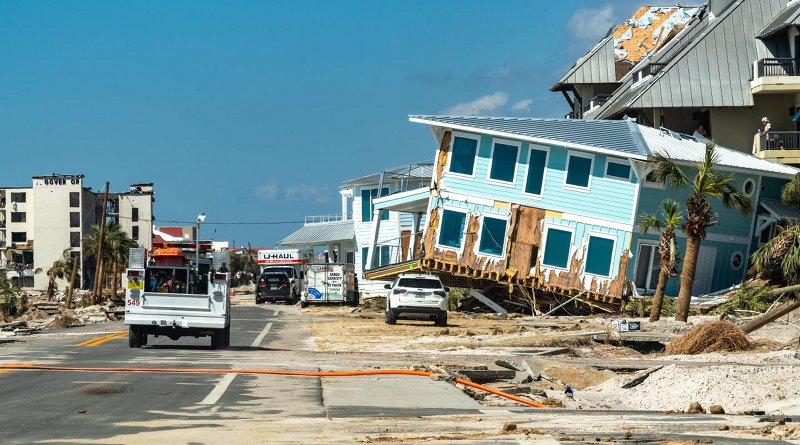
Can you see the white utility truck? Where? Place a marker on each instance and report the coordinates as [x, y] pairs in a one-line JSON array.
[[331, 283], [288, 261], [170, 295]]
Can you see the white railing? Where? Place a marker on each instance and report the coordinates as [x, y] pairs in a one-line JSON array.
[[322, 219]]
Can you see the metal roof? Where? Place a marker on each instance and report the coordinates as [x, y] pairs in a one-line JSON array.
[[614, 137], [714, 68], [417, 170], [780, 210], [597, 66], [688, 150], [320, 234], [786, 18]]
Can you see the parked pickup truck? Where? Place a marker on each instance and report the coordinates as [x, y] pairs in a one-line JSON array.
[[170, 295]]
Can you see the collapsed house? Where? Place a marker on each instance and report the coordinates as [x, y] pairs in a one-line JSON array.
[[535, 213]]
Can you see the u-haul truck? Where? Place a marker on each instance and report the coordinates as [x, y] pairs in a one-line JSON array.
[[330, 284], [288, 261]]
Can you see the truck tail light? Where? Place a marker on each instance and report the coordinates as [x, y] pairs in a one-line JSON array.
[[399, 291], [440, 293], [133, 273], [262, 283], [284, 283]]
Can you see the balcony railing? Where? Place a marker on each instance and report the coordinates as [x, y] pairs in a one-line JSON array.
[[322, 219], [779, 140], [776, 67], [598, 100]]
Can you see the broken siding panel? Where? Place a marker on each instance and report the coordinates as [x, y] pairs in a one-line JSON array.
[[607, 199]]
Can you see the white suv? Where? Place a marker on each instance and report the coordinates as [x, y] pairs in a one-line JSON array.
[[417, 294]]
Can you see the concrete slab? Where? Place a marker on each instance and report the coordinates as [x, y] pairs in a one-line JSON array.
[[394, 396]]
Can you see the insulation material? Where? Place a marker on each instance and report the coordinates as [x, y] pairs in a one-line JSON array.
[[647, 30]]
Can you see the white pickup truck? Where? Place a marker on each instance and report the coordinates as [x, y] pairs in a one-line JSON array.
[[168, 295]]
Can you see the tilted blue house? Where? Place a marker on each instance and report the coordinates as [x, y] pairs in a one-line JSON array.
[[549, 207]]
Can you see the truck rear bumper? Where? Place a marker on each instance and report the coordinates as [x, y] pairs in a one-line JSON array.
[[176, 321]]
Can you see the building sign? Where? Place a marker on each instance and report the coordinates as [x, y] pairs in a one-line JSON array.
[[288, 256], [61, 181]]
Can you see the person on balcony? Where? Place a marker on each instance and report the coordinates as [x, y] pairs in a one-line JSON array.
[[766, 137]]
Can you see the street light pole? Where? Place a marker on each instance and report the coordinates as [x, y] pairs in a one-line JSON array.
[[200, 218]]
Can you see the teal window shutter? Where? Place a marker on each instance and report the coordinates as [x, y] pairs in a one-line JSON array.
[[366, 206], [452, 228], [504, 163], [364, 254], [493, 236], [578, 171], [618, 170], [599, 255], [556, 250], [386, 255], [462, 160], [384, 192], [536, 166]]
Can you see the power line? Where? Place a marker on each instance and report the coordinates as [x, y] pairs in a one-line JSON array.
[[226, 223]]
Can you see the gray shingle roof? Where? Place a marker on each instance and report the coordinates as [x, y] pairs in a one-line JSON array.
[[621, 136], [320, 234], [788, 17]]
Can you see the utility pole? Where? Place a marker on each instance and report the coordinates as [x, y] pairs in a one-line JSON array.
[[98, 286]]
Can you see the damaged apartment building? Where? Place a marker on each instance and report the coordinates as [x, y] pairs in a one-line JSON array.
[[536, 212], [723, 65], [55, 213]]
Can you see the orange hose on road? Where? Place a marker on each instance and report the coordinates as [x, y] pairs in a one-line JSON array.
[[273, 372]]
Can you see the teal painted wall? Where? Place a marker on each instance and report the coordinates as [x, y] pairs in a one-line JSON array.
[[607, 199], [581, 233]]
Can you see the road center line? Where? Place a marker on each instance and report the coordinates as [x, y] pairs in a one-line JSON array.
[[218, 390], [261, 336]]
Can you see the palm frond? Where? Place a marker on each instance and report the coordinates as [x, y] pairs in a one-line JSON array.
[[649, 221], [791, 192], [671, 213], [666, 171], [738, 201]]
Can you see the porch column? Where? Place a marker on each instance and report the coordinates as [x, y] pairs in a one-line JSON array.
[[376, 229], [415, 229], [346, 195]]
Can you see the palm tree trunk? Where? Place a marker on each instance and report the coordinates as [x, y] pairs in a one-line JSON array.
[[98, 295], [51, 284], [658, 298], [687, 278], [71, 283], [114, 280]]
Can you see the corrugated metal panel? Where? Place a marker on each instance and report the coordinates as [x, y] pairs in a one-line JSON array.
[[788, 17], [621, 136], [419, 170], [691, 151], [597, 66], [780, 210], [320, 234]]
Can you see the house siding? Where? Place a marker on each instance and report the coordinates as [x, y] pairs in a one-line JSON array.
[[607, 199]]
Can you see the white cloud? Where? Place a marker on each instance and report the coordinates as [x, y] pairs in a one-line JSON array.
[[523, 105], [481, 105], [268, 191], [591, 23], [306, 192]]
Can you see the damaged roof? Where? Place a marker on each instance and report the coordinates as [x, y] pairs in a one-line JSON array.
[[648, 29], [417, 170], [611, 137]]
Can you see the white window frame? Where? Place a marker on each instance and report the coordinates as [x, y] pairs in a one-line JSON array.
[[500, 182], [547, 228], [506, 218], [744, 185], [463, 234], [613, 238], [617, 178], [474, 137], [578, 154], [654, 245], [545, 149], [650, 184], [738, 252]]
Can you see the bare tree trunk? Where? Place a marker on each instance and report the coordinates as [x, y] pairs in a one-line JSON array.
[[770, 316], [658, 298], [71, 283], [100, 277], [98, 271], [51, 284], [687, 278], [114, 280]]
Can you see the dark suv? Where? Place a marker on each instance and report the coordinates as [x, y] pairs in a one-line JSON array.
[[273, 287]]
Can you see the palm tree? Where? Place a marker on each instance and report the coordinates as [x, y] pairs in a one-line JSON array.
[[708, 183], [669, 220], [778, 260], [116, 246], [59, 270]]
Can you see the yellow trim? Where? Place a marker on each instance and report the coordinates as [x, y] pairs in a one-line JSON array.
[[100, 340]]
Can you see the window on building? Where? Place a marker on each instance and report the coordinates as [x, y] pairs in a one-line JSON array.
[[367, 195], [74, 239], [350, 257], [504, 162], [19, 217], [135, 214], [579, 170], [135, 232], [650, 181], [364, 255], [556, 248], [74, 219], [462, 159], [452, 228], [618, 170], [385, 255], [18, 196], [74, 199], [537, 162], [493, 236], [599, 255], [19, 237]]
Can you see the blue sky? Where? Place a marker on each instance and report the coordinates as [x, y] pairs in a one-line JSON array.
[[256, 111]]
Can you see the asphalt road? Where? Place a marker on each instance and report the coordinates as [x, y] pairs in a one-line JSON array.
[[120, 407]]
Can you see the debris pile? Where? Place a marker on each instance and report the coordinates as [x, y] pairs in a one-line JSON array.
[[710, 337]]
